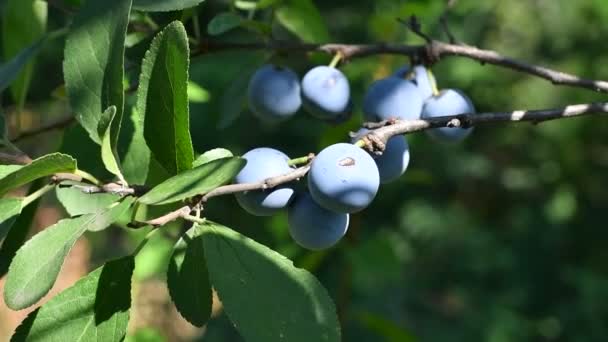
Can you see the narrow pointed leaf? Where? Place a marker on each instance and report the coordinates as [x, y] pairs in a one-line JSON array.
[[164, 5], [188, 280], [133, 150], [211, 155], [162, 99], [265, 296], [224, 22], [109, 142], [94, 62], [96, 308], [23, 23], [197, 181], [10, 208], [38, 262], [41, 167]]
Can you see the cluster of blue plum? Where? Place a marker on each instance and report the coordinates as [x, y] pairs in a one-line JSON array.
[[343, 178]]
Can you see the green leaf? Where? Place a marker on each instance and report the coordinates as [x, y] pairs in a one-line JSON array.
[[38, 262], [96, 308], [109, 142], [188, 280], [164, 5], [162, 99], [10, 208], [6, 170], [94, 62], [303, 19], [385, 328], [78, 203], [10, 70], [251, 5], [211, 155], [19, 231], [224, 22], [264, 295], [41, 167], [133, 151], [23, 23], [3, 127], [197, 94], [234, 96], [197, 181]]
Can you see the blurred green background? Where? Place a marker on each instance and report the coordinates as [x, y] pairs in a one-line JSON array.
[[500, 238]]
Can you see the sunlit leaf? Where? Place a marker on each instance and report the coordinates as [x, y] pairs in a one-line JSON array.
[[38, 262], [264, 295], [188, 280], [197, 181], [96, 308]]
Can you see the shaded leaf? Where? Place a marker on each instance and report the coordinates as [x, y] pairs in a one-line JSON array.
[[385, 328], [197, 181], [38, 262], [264, 295], [23, 23], [211, 155], [224, 22], [3, 127], [94, 62], [10, 208], [96, 308], [303, 19], [164, 5], [78, 203], [41, 167], [162, 99], [234, 97], [188, 280], [10, 70]]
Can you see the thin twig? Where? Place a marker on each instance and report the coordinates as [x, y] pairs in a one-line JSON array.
[[263, 185], [385, 130], [434, 51], [59, 124]]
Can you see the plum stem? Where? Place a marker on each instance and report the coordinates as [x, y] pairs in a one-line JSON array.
[[337, 58]]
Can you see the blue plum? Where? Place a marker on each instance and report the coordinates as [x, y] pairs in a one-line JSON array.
[[394, 160], [314, 227], [392, 97], [263, 163], [274, 93], [326, 93], [448, 102], [424, 80], [343, 178]]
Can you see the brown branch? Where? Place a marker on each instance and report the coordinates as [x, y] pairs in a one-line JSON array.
[[382, 131], [59, 124], [263, 185], [433, 51]]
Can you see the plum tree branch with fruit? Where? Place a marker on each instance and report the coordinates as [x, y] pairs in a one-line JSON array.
[[166, 181]]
